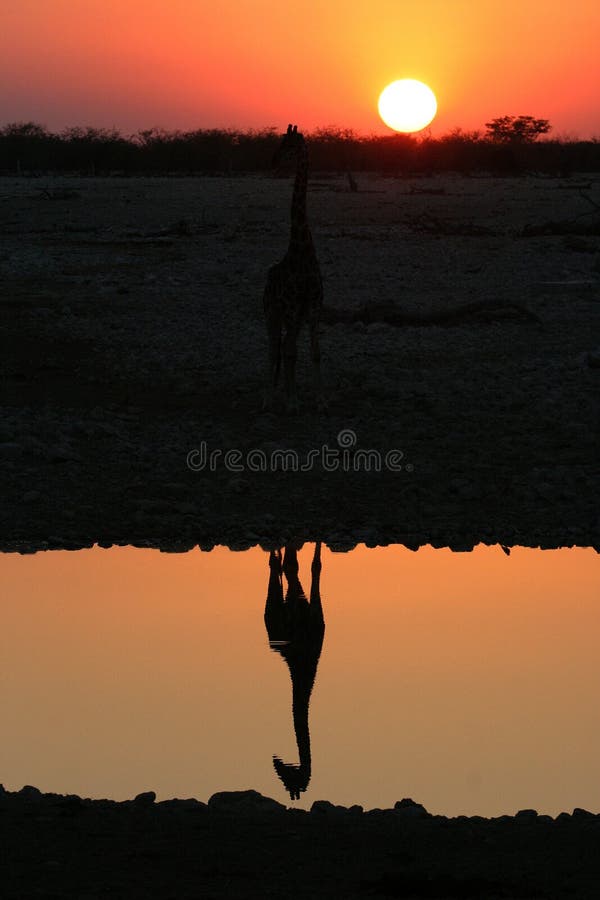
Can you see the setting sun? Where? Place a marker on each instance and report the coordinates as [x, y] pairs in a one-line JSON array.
[[407, 105]]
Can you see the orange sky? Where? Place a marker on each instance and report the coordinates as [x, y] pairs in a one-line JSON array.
[[250, 63]]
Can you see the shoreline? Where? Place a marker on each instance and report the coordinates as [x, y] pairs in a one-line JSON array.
[[559, 540], [246, 844]]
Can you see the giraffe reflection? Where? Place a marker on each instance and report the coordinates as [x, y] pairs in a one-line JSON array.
[[295, 627]]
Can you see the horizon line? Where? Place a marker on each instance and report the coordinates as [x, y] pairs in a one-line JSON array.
[[424, 133]]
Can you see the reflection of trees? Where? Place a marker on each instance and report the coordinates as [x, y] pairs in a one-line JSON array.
[[295, 627]]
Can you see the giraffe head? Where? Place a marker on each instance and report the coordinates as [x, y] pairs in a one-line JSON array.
[[291, 143], [295, 778]]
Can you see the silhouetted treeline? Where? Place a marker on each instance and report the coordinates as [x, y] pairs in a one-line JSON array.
[[29, 148]]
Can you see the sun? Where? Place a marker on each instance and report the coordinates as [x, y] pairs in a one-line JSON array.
[[407, 105]]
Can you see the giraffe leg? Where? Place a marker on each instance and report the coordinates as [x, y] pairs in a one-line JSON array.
[[275, 561], [290, 561], [274, 364], [315, 355], [274, 610], [315, 585], [289, 368]]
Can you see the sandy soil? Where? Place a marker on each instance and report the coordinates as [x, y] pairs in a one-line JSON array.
[[132, 331]]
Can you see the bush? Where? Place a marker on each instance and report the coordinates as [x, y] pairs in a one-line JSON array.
[[30, 147]]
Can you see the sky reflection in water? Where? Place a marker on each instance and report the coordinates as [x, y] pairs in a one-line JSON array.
[[466, 681]]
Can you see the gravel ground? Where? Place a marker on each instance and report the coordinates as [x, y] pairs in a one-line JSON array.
[[132, 332]]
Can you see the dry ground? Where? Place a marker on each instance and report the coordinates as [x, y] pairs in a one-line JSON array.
[[132, 331]]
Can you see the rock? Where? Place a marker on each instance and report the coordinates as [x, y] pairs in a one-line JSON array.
[[526, 814], [379, 814], [30, 496], [412, 812], [406, 801], [324, 807], [70, 802], [242, 544], [243, 803], [187, 804], [104, 804], [579, 813], [28, 792], [407, 808], [460, 546], [339, 544], [145, 798]]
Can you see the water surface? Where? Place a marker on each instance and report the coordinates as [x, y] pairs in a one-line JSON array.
[[466, 681]]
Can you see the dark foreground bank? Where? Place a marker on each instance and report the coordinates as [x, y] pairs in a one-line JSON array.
[[244, 845]]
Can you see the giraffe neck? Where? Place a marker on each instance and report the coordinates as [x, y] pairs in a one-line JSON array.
[[299, 231], [300, 701]]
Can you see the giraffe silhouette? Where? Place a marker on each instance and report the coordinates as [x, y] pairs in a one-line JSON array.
[[294, 290], [296, 628]]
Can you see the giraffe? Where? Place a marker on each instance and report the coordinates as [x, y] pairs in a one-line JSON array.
[[296, 628], [294, 290]]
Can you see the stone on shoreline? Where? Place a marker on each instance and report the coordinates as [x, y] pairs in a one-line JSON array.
[[243, 803], [145, 799], [408, 809], [526, 814], [326, 808]]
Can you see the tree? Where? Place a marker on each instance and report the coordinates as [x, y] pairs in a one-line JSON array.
[[516, 129], [24, 130]]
